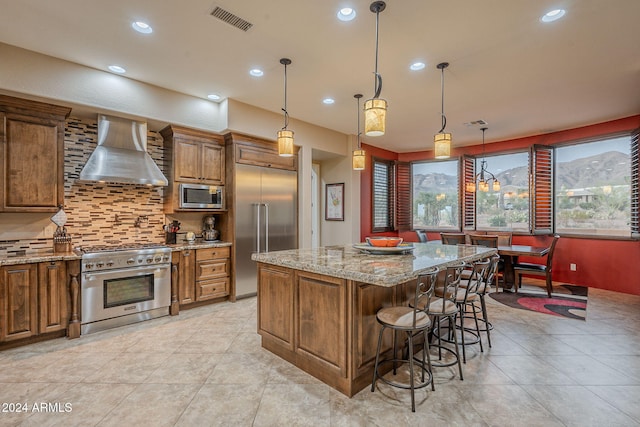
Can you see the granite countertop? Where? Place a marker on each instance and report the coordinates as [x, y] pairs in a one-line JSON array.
[[76, 254], [198, 244], [39, 257], [347, 262]]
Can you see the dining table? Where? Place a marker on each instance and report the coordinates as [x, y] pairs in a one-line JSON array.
[[510, 254]]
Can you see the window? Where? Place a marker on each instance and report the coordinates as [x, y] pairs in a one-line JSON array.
[[436, 195], [593, 187], [509, 207], [383, 188]]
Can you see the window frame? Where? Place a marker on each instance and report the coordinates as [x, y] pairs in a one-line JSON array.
[[390, 186], [460, 192]]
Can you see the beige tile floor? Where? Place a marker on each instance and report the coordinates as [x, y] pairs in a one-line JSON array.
[[206, 367]]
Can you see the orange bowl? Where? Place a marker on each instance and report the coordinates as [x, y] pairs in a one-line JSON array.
[[384, 241]]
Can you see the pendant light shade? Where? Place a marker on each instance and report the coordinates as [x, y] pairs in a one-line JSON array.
[[359, 156], [375, 109], [285, 136], [442, 143], [285, 143], [442, 140]]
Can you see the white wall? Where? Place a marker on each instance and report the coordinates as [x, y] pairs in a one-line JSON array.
[[31, 75]]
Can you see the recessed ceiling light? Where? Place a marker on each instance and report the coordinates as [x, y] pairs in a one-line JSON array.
[[142, 27], [553, 15], [328, 101], [346, 14], [256, 72], [117, 69], [417, 66], [214, 97]]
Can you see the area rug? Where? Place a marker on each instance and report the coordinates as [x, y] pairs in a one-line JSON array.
[[566, 300]]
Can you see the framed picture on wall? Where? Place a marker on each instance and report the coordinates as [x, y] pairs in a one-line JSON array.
[[334, 202]]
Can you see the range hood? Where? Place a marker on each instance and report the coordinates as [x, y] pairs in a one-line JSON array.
[[121, 155]]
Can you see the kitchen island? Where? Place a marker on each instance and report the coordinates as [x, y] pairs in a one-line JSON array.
[[317, 307]]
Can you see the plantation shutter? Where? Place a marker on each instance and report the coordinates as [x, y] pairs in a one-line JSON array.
[[468, 198], [541, 189], [382, 195], [635, 185], [403, 196]]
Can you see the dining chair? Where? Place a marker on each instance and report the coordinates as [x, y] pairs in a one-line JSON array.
[[490, 241], [504, 238], [530, 269], [413, 321], [453, 238], [422, 236]]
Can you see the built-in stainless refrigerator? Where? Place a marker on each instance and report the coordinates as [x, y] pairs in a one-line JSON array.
[[266, 208]]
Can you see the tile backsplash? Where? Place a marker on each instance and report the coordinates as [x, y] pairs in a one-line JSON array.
[[98, 214]]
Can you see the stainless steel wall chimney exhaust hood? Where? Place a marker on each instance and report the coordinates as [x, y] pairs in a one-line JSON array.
[[121, 155]]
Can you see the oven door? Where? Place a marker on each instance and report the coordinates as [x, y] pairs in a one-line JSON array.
[[115, 293]]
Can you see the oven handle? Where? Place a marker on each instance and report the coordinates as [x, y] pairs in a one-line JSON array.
[[123, 272]]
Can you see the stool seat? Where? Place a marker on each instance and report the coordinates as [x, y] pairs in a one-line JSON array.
[[402, 318]]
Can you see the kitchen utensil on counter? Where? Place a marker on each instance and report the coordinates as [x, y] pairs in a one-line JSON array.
[[170, 232], [61, 239], [209, 233]]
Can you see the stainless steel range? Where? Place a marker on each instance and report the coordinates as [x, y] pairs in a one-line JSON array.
[[124, 285]]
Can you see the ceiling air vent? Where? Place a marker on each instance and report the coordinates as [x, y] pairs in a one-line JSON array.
[[230, 18], [477, 123]]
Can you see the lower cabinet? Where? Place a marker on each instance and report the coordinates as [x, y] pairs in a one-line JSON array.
[[33, 299], [204, 274]]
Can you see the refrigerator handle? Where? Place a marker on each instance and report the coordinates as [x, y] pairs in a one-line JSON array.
[[257, 205], [266, 227]]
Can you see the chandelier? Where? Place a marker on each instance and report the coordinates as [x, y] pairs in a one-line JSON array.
[[484, 177]]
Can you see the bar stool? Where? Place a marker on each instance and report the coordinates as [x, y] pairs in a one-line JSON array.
[[413, 322], [491, 277], [466, 298], [442, 306]]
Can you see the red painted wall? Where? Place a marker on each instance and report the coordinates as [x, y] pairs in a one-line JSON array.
[[605, 264]]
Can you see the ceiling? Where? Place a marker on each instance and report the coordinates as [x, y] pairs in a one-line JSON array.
[[522, 76]]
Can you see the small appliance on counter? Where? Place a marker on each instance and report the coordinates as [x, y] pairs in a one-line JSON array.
[[61, 239], [209, 233]]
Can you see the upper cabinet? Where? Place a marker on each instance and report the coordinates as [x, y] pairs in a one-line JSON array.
[[31, 155], [259, 152], [194, 157], [197, 157]]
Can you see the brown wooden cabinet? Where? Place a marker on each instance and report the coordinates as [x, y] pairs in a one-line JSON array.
[[18, 301], [53, 296], [34, 299], [203, 274], [212, 273], [194, 157], [31, 155], [186, 274], [258, 152]]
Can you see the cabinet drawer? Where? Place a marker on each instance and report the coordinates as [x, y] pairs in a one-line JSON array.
[[209, 289], [210, 269], [212, 253]]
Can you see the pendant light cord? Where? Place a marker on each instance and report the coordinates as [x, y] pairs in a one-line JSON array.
[[286, 114], [444, 118], [358, 98], [377, 85]]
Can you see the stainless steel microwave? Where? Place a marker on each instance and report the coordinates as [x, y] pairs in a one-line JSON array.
[[197, 196]]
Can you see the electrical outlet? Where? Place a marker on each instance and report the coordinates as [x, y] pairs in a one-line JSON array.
[[573, 267]]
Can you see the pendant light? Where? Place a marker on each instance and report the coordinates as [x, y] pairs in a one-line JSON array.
[[375, 109], [442, 140], [358, 159], [484, 177], [285, 136]]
